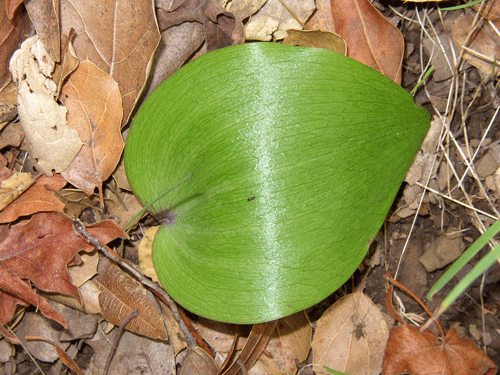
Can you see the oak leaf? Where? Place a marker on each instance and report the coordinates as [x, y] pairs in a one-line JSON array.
[[36, 251], [410, 351]]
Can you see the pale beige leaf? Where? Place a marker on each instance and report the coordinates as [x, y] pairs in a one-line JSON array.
[[289, 344], [273, 19], [95, 109], [350, 337], [145, 253], [13, 187], [119, 36], [121, 295], [52, 143]]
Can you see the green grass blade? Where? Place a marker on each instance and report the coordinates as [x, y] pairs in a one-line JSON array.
[[464, 259], [329, 370], [464, 5], [478, 269]]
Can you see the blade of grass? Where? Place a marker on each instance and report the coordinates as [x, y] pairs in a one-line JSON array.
[[329, 370], [464, 5], [424, 78], [464, 259]]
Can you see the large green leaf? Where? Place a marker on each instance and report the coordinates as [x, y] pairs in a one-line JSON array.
[[296, 155]]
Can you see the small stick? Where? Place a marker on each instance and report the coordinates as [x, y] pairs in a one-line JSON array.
[[119, 335], [81, 230]]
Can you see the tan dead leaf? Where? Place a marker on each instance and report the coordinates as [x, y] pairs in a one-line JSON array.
[[119, 37], [198, 362], [45, 17], [483, 49], [316, 39], [78, 203], [272, 20], [350, 337], [120, 176], [39, 197], [220, 336], [289, 344], [120, 295], [69, 62], [145, 253], [95, 109], [52, 143], [322, 18], [8, 103], [11, 135], [370, 37], [13, 187]]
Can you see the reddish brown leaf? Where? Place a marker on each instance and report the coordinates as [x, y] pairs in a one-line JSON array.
[[94, 108], [44, 15], [4, 171], [410, 351], [121, 295], [370, 37], [11, 6], [38, 250], [39, 197]]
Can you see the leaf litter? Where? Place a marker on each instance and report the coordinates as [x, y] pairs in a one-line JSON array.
[[186, 32]]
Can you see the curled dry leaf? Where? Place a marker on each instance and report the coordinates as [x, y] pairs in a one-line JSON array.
[[38, 249], [316, 39], [118, 36], [350, 336], [52, 143], [95, 109], [121, 295], [39, 197], [370, 37], [418, 353], [198, 362], [322, 18]]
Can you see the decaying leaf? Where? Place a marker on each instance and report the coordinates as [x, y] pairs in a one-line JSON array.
[[483, 48], [198, 362], [322, 18], [121, 295], [289, 345], [419, 353], [39, 249], [118, 36], [350, 337], [13, 187], [37, 198], [94, 108], [53, 144], [370, 37], [145, 253], [272, 20]]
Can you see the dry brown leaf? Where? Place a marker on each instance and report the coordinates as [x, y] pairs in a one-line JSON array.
[[118, 36], [316, 39], [95, 109], [11, 32], [289, 345], [122, 207], [39, 197], [370, 37], [145, 253], [322, 18], [272, 20], [69, 62], [11, 188], [198, 362], [121, 295], [52, 143], [483, 48], [350, 337], [11, 135], [419, 353], [8, 103], [44, 15]]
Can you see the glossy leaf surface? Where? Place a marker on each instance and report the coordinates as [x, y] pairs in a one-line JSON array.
[[296, 155]]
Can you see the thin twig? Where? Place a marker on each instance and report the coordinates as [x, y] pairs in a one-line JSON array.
[[81, 230]]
